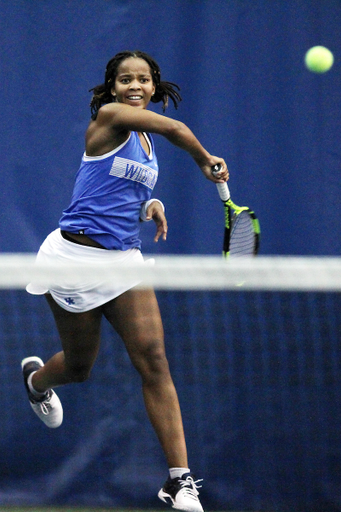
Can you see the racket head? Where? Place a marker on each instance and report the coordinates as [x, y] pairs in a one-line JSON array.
[[244, 234]]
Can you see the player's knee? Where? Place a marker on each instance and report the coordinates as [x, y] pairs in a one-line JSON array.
[[151, 361], [78, 373]]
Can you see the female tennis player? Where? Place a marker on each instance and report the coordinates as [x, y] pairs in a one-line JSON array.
[[112, 193]]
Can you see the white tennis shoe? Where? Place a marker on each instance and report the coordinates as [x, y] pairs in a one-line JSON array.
[[182, 493], [48, 408]]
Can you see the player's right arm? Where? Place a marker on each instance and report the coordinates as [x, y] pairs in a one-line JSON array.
[[118, 119]]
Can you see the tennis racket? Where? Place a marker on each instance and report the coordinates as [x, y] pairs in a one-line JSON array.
[[242, 229]]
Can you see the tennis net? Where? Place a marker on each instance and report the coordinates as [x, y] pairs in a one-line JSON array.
[[187, 272], [254, 345]]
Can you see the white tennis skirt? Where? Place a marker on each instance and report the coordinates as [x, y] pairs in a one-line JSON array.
[[90, 293]]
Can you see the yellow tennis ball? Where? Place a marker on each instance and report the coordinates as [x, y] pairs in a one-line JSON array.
[[319, 59]]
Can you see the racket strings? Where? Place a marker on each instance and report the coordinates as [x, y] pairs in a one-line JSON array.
[[243, 239]]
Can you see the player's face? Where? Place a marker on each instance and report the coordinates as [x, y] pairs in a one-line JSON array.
[[134, 84]]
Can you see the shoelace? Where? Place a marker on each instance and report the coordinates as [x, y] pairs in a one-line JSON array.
[[45, 405], [193, 489]]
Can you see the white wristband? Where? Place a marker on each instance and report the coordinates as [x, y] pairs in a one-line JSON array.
[[143, 212]]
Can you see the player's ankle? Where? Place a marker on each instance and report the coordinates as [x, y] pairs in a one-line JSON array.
[[177, 472]]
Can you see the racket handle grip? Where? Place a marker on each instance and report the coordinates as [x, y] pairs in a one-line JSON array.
[[223, 190]]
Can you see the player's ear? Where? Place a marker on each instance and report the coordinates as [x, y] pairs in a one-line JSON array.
[[113, 93]]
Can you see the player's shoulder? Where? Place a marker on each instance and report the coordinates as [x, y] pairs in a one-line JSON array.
[[107, 111]]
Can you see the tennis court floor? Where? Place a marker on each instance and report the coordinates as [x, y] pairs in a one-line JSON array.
[[76, 509]]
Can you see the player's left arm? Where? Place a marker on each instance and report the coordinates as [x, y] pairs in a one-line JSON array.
[[155, 210]]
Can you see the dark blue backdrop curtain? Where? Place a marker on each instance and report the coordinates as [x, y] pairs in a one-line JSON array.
[[248, 98], [246, 95]]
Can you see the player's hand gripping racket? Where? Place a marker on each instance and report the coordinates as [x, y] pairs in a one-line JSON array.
[[242, 230]]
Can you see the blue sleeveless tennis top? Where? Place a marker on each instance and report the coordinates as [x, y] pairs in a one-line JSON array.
[[108, 194]]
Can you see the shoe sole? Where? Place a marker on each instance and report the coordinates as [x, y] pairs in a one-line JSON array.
[[167, 498], [32, 359]]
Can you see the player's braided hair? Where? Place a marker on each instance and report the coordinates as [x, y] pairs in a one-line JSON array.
[[163, 90]]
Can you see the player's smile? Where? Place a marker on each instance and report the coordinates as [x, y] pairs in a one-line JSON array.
[[134, 98]]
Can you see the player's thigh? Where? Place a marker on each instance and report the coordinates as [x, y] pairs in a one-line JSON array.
[[79, 333], [135, 316]]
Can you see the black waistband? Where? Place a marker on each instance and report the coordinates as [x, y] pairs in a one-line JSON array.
[[69, 239]]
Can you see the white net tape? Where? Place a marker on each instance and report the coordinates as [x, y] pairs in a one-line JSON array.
[[187, 273]]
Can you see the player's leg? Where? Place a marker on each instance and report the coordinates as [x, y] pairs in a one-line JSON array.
[[80, 338], [136, 318]]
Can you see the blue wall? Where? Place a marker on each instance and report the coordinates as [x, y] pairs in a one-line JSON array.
[[259, 382], [258, 376], [246, 95]]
